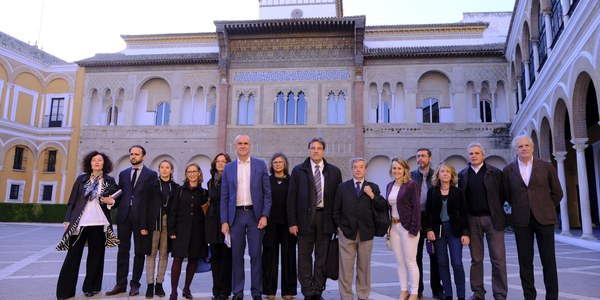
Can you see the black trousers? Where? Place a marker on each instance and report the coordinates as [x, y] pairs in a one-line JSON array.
[[544, 234], [124, 233], [220, 264], [311, 277], [434, 269], [270, 261], [95, 238]]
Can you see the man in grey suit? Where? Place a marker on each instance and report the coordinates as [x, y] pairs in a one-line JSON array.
[[245, 205], [132, 181], [354, 219], [481, 184], [533, 190]]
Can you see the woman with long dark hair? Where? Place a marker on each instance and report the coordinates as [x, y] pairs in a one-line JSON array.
[[153, 224], [186, 228], [220, 259], [87, 221]]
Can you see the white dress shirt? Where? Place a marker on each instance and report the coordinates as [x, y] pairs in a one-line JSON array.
[[244, 197]]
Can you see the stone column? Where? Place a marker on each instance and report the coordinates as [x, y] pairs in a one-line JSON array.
[[564, 207], [580, 144], [222, 117], [566, 5], [536, 56], [393, 114], [99, 117], [478, 96], [519, 92], [63, 183], [527, 78], [7, 99], [359, 116], [548, 29], [112, 112], [33, 186], [379, 108]]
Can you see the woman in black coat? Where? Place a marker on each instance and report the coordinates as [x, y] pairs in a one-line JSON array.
[[277, 233], [87, 221], [153, 224], [447, 225], [186, 228], [220, 259]]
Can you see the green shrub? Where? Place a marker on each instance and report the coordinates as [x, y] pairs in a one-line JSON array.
[[32, 212]]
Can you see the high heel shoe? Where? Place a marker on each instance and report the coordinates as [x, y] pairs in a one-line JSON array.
[[403, 295], [413, 297]]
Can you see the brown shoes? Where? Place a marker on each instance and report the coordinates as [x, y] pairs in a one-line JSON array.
[[116, 290]]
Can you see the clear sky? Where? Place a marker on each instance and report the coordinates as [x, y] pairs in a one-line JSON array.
[[77, 29]]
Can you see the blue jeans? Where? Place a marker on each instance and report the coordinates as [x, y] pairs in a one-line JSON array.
[[447, 241]]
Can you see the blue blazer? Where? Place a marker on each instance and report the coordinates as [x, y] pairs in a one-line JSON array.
[[260, 190], [135, 195]]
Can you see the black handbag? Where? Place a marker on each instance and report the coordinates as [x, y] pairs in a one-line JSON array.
[[333, 256], [382, 221]]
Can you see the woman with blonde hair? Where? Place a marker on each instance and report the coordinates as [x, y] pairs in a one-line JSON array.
[[403, 196], [186, 228], [447, 226]]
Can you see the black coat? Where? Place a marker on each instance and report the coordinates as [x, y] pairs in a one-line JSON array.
[[213, 214], [457, 211], [355, 214], [492, 179], [302, 196], [154, 205], [186, 222]]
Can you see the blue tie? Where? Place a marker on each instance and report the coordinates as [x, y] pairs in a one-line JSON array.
[[358, 188]]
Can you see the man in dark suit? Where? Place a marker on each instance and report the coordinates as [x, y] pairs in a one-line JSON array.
[[354, 219], [132, 182], [482, 186], [245, 205], [533, 190], [422, 176], [310, 204]]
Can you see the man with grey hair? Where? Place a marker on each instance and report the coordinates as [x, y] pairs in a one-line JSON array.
[[353, 215], [532, 188], [482, 186]]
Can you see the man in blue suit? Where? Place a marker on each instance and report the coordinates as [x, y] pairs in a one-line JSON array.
[[132, 182], [245, 205]]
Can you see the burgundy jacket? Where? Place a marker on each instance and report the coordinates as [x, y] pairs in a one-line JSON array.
[[408, 205]]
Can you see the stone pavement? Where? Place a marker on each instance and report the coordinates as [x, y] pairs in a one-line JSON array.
[[29, 268]]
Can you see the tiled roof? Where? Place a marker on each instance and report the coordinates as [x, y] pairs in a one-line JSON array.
[[34, 53], [119, 59], [454, 50]]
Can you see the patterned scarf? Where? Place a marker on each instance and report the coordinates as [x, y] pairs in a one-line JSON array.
[[91, 189]]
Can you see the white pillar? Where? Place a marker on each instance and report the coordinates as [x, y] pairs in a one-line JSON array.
[[7, 101], [99, 120], [194, 107], [548, 29], [63, 182], [493, 108], [393, 120], [112, 112], [204, 119], [33, 185], [478, 96], [579, 144], [564, 207], [566, 5], [379, 108], [536, 56], [527, 78]]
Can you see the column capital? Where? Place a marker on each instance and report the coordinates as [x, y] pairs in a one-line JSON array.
[[560, 155], [579, 144]]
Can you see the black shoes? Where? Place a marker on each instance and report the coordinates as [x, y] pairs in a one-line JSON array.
[[116, 290], [238, 296], [150, 291], [187, 294], [134, 291], [158, 290]]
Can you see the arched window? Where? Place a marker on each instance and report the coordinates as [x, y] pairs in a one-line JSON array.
[[336, 108], [301, 116], [290, 109], [109, 118], [431, 111], [384, 115], [213, 115], [485, 111], [246, 110], [280, 109], [162, 114]]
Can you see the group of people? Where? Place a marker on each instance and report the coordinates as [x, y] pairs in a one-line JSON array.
[[274, 212]]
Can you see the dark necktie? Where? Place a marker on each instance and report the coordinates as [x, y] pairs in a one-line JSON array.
[[134, 177], [317, 178], [358, 188]]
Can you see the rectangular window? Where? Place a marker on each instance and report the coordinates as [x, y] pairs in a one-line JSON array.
[[14, 192], [56, 112], [19, 157], [47, 192], [50, 161]]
